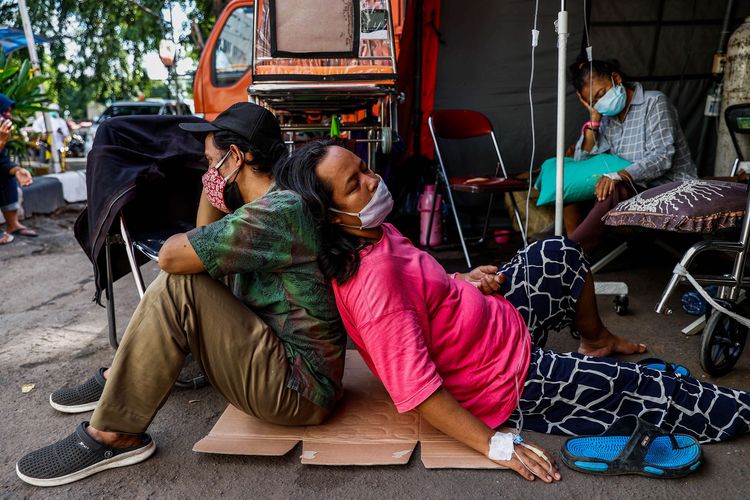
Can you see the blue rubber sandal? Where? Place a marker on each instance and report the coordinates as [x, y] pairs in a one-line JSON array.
[[633, 446], [663, 366]]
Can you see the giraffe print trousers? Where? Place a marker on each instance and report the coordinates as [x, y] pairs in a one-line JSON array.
[[575, 395], [572, 394]]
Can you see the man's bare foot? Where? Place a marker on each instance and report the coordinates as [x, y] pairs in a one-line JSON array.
[[608, 344], [114, 439]]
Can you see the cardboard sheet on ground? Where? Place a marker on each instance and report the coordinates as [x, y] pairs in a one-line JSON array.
[[365, 430]]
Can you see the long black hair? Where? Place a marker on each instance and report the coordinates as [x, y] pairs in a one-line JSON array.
[[264, 158], [339, 254], [579, 70]]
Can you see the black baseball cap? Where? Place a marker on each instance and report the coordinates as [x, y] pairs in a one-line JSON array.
[[255, 123]]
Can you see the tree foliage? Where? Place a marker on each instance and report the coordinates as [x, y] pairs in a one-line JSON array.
[[204, 16], [96, 48], [18, 83]]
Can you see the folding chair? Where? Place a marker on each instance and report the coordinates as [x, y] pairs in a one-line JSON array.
[[144, 183], [462, 124]]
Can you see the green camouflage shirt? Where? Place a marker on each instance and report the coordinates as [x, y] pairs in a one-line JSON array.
[[271, 246]]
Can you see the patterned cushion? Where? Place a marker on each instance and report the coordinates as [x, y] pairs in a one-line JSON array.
[[686, 206]]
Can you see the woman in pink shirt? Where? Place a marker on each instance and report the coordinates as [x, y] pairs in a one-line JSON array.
[[461, 354]]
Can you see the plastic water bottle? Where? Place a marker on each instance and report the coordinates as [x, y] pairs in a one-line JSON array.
[[694, 304], [424, 206]]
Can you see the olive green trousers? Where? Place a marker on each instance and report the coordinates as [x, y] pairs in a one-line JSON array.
[[239, 354]]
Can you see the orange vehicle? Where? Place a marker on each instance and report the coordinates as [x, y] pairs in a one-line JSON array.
[[225, 69]]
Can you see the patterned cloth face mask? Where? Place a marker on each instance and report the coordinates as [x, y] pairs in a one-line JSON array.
[[214, 185]]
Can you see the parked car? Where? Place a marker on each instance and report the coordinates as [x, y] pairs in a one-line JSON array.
[[131, 108], [149, 107]]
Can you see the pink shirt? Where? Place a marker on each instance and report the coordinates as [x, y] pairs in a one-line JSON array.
[[418, 329]]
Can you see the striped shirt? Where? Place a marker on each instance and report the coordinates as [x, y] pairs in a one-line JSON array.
[[650, 137], [271, 247]]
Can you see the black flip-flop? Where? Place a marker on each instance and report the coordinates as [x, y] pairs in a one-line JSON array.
[[633, 446], [24, 231]]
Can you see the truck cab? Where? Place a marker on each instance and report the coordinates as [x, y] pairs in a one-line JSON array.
[[225, 67]]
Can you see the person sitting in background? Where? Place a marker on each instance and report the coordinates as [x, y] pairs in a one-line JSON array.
[[60, 131], [638, 125], [11, 176]]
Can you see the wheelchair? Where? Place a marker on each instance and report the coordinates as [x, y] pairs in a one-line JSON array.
[[724, 336]]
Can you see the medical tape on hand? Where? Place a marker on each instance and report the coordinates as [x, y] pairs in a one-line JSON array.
[[680, 270], [501, 446], [614, 176]]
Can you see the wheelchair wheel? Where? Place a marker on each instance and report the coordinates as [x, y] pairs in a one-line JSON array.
[[722, 344]]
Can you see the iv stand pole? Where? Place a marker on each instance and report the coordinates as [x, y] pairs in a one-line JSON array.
[[562, 42]]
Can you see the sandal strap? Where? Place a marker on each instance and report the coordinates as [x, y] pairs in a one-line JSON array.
[[668, 367], [642, 435]]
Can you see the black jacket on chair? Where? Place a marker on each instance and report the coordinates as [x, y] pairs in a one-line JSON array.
[[146, 168]]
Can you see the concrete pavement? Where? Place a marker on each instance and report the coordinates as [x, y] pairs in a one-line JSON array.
[[52, 335]]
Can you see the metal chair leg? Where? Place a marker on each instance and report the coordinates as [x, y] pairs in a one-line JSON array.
[[441, 171], [110, 297], [455, 217], [601, 263], [137, 276], [521, 227], [675, 279], [500, 168], [432, 210]]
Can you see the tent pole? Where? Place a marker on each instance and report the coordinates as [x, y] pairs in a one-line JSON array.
[[562, 42], [35, 70], [418, 34]]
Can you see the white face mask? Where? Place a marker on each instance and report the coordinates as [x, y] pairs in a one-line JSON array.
[[377, 209]]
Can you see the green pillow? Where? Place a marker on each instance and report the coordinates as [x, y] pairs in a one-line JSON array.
[[580, 177]]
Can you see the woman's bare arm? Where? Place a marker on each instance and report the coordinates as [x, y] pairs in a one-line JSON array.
[[445, 414]]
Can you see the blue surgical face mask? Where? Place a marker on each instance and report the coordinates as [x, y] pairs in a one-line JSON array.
[[613, 102]]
